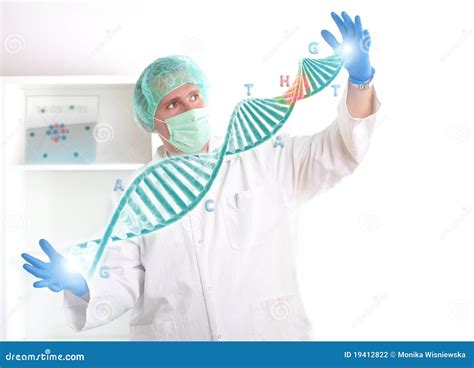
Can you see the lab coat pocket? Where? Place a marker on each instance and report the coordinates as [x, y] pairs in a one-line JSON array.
[[281, 318], [165, 331], [251, 215]]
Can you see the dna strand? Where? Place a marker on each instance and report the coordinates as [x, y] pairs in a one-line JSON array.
[[164, 192]]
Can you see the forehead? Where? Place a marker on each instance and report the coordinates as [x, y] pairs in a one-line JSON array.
[[180, 92]]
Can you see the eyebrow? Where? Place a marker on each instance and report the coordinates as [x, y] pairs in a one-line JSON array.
[[174, 99]]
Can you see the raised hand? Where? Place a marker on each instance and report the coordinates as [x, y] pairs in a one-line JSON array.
[[355, 45]]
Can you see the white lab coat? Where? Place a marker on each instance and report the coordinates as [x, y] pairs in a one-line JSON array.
[[227, 272]]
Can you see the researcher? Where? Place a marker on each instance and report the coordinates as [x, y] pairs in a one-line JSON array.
[[226, 270]]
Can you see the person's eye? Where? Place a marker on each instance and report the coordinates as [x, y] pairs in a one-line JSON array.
[[171, 104], [195, 95]]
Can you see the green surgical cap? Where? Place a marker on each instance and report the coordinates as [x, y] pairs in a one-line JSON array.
[[158, 79]]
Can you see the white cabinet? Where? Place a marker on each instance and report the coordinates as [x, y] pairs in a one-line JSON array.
[[65, 204]]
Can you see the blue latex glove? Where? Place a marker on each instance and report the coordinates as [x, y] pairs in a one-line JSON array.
[[355, 45], [56, 275]]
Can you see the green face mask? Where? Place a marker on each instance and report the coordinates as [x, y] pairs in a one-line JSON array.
[[189, 131]]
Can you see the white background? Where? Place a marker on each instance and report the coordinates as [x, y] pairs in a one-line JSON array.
[[388, 253]]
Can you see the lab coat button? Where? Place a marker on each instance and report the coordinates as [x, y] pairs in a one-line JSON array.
[[200, 241], [219, 336], [209, 289]]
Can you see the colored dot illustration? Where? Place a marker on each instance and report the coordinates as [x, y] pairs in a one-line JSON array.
[[45, 155], [57, 132], [87, 127], [76, 154], [32, 134]]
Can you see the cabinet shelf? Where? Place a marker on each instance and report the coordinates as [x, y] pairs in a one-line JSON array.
[[64, 203], [89, 167]]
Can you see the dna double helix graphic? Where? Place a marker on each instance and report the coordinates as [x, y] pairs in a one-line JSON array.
[[164, 192]]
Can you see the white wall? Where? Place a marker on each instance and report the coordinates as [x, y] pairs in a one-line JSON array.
[[387, 254]]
